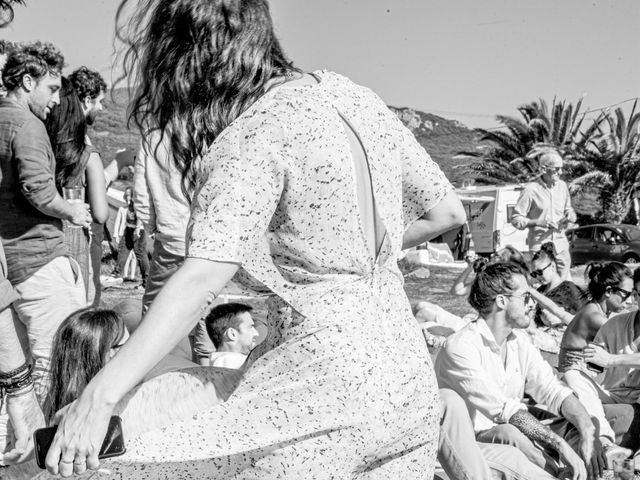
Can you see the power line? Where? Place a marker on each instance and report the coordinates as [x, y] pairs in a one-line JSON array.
[[487, 115]]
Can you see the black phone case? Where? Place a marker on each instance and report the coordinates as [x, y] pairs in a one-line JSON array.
[[112, 446]]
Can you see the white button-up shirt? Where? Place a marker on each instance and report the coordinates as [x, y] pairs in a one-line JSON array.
[[551, 204], [471, 363]]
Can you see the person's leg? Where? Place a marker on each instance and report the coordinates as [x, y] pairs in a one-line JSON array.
[[563, 260], [45, 299], [140, 249], [507, 434], [509, 463], [458, 453], [591, 397], [123, 254], [95, 250], [625, 421], [163, 265]]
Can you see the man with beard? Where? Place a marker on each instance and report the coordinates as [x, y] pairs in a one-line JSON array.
[[491, 363], [47, 283], [91, 89]]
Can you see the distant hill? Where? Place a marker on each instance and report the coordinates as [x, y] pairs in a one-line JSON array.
[[442, 138]]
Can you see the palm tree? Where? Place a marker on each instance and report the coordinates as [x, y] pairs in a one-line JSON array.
[[613, 164], [506, 156]]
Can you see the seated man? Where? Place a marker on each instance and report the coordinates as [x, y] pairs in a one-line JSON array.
[[491, 363], [231, 329]]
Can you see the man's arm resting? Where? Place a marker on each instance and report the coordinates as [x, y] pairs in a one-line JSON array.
[[535, 431], [574, 412], [23, 410]]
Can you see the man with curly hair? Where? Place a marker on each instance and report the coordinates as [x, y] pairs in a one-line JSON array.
[[91, 89], [38, 265]]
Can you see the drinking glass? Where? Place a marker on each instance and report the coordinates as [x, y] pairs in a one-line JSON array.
[[73, 195]]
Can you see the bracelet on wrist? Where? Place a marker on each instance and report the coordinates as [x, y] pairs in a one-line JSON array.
[[20, 391], [18, 385], [17, 372], [17, 380]]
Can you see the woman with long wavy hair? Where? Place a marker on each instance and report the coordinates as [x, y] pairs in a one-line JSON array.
[[77, 165], [308, 186]]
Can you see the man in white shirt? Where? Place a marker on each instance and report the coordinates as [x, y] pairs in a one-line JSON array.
[[544, 207], [491, 363], [233, 333]]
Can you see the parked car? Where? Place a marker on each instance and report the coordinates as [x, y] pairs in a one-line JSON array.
[[604, 242]]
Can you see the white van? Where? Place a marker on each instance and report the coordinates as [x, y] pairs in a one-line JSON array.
[[489, 209]]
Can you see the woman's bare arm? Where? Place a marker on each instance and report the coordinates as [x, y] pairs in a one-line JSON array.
[[549, 305], [461, 284], [96, 189], [447, 214]]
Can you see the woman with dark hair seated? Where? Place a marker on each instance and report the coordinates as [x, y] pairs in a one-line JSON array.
[[564, 293], [83, 344], [610, 291]]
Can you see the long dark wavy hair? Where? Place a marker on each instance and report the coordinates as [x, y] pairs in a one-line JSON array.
[[80, 349], [197, 65], [67, 128]]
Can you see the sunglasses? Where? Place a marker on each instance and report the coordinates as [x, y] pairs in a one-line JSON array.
[[553, 169], [539, 272], [526, 297], [624, 294]]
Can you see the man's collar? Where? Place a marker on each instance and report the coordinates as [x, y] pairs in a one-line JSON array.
[[484, 330], [8, 101]]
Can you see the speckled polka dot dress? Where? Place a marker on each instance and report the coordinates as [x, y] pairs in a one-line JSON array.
[[343, 387]]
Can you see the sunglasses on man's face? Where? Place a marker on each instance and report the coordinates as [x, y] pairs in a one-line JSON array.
[[624, 294], [526, 297], [553, 169], [538, 273]]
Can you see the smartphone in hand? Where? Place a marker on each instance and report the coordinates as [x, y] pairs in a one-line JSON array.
[[112, 446]]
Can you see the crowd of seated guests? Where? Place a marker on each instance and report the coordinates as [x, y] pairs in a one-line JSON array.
[[484, 369], [492, 363]]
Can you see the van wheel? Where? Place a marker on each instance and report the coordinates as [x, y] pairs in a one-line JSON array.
[[631, 258]]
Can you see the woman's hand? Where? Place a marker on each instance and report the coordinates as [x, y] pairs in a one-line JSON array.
[[598, 355], [82, 427]]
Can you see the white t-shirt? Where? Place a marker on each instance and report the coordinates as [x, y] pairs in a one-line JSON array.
[[227, 359]]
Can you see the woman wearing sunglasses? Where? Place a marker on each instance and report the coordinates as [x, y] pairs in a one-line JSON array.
[[610, 288], [565, 294]]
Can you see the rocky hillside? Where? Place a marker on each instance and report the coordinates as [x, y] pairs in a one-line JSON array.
[[442, 138]]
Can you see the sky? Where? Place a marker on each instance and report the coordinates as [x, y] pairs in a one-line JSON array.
[[469, 60]]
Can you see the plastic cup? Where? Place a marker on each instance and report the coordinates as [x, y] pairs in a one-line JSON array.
[[73, 195]]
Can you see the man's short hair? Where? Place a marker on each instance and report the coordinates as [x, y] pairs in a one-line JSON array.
[[495, 279], [551, 159], [87, 83], [223, 317], [35, 59]]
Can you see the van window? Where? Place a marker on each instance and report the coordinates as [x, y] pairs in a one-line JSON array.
[[510, 209]]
